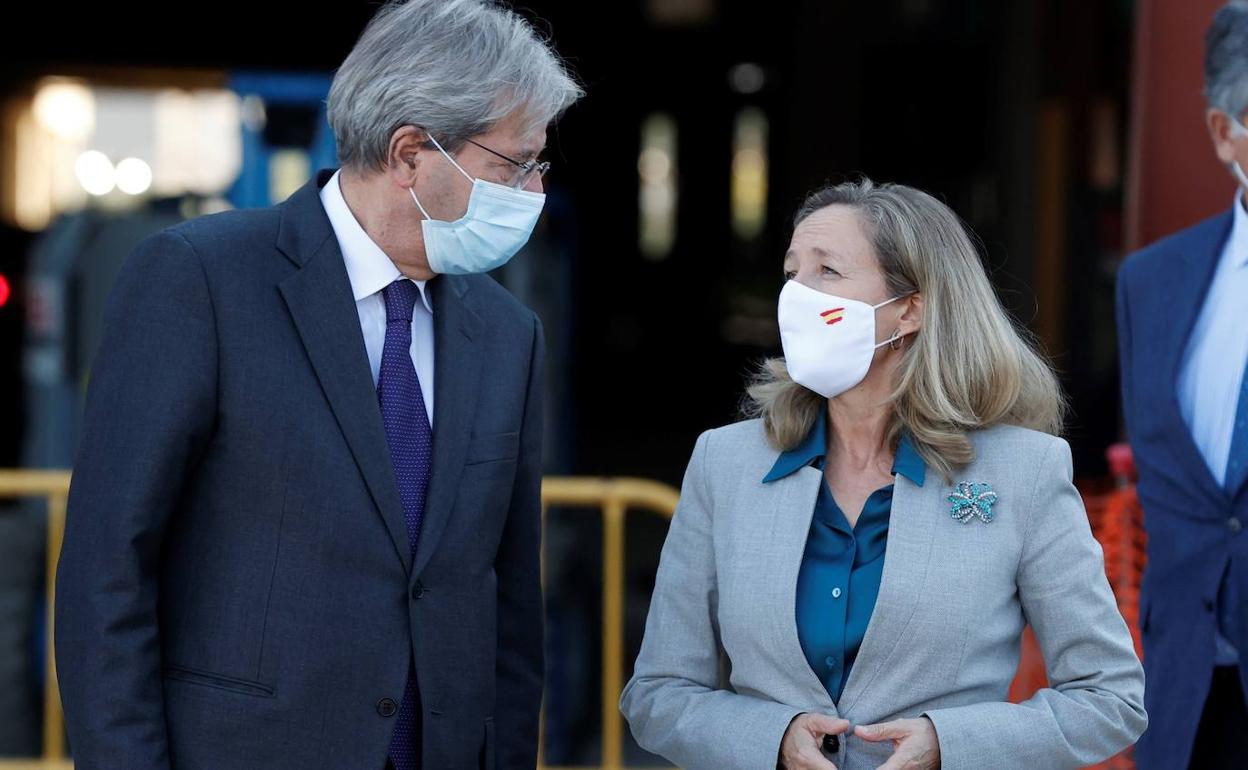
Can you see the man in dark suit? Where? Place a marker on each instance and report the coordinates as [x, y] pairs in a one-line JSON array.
[[304, 526], [1183, 341]]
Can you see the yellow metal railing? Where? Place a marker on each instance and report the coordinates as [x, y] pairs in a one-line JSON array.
[[54, 487], [614, 497]]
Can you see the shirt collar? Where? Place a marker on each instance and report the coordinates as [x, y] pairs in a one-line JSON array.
[[1237, 244], [368, 267], [907, 461]]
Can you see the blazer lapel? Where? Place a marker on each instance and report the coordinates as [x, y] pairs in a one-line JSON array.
[[779, 542], [318, 297], [911, 530], [1187, 288], [457, 329]]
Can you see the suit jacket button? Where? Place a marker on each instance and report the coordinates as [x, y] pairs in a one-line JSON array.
[[387, 707], [1234, 525], [418, 591], [831, 744]]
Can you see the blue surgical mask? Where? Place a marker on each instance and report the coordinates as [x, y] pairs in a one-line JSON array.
[[498, 222]]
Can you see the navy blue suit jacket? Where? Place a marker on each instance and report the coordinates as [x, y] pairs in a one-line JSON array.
[[1192, 522], [236, 589]]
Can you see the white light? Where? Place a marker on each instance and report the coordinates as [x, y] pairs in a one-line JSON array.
[[289, 169], [65, 109], [749, 174], [96, 173], [654, 164], [134, 176], [657, 194], [253, 113], [747, 78]]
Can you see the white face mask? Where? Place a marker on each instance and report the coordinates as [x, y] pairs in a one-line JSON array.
[[499, 221], [829, 341], [1238, 129]]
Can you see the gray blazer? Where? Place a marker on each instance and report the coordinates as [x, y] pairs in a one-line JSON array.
[[721, 672]]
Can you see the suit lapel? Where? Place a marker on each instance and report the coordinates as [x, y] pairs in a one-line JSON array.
[[318, 297], [1187, 288], [457, 330], [778, 541], [911, 530]]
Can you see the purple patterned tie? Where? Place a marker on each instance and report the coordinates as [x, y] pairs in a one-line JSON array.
[[410, 439], [1237, 463]]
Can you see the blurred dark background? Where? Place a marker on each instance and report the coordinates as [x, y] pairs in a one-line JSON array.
[[658, 262], [975, 101]]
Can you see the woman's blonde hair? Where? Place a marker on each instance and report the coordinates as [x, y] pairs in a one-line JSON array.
[[968, 367]]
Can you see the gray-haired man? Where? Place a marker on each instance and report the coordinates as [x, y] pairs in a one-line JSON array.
[[1183, 344], [304, 525]]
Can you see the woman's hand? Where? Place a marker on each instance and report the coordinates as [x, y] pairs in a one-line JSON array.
[[800, 748], [915, 746]]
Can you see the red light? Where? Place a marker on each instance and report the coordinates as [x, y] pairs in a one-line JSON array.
[[5, 290]]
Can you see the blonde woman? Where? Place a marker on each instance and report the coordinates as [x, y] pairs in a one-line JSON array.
[[847, 576]]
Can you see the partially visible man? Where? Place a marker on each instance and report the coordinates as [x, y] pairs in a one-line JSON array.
[[304, 528], [1183, 343]]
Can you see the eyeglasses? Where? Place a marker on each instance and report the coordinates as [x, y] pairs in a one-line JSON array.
[[524, 173]]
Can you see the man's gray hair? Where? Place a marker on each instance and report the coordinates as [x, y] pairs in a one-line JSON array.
[[455, 68], [1226, 59]]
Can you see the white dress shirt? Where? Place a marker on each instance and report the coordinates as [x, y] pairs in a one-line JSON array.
[[370, 271], [1213, 365], [1212, 373]]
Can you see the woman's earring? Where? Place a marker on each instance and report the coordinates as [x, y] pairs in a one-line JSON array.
[[896, 343]]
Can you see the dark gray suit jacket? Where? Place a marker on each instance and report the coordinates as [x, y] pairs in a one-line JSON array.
[[236, 588]]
